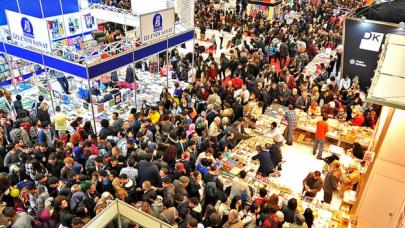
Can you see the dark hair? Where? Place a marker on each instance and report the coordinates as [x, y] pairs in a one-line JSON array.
[[242, 174], [18, 97], [325, 117], [167, 202], [253, 207], [195, 200], [309, 217], [274, 124], [192, 222], [9, 212], [292, 204], [57, 108], [41, 98], [104, 123], [263, 192], [233, 202], [317, 173], [123, 176]]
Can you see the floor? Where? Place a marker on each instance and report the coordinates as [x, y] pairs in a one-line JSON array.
[[299, 161]]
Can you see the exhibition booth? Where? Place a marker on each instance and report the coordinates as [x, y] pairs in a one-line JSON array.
[[77, 67]]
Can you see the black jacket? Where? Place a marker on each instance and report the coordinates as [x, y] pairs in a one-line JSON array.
[[148, 172], [266, 165]]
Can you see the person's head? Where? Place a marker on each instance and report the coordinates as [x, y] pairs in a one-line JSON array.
[[58, 109], [254, 208], [242, 174], [263, 192], [299, 219], [317, 175], [145, 206], [233, 214], [41, 98], [292, 204], [167, 202], [192, 223], [44, 106], [193, 202], [18, 97], [146, 185], [123, 179], [69, 162], [77, 222], [273, 125], [259, 148], [291, 107], [104, 123], [115, 116], [10, 214], [184, 181], [325, 117]]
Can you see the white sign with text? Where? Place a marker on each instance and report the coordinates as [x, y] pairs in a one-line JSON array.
[[28, 31], [157, 25]]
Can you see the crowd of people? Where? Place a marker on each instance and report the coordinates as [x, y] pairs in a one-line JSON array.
[[165, 159]]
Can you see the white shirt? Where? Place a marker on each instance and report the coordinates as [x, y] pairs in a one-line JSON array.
[[344, 84], [276, 135], [245, 97]]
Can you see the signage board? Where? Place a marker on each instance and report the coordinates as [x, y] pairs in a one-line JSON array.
[[28, 31], [362, 48], [185, 11], [157, 25]]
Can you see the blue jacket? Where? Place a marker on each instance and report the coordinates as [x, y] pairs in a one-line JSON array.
[[266, 164]]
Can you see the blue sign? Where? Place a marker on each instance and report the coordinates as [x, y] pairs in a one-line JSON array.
[[157, 22], [27, 27]]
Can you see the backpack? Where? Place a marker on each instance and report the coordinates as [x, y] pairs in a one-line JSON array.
[[211, 188]]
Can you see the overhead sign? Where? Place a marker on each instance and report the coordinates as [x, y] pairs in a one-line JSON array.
[[157, 25], [185, 11], [28, 31], [362, 47]]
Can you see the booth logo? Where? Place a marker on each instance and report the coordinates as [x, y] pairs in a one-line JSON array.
[[372, 41], [157, 22], [27, 27], [358, 63]]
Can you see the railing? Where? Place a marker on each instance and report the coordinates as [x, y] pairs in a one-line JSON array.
[[111, 8]]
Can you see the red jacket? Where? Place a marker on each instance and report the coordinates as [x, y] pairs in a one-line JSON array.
[[237, 83], [270, 222]]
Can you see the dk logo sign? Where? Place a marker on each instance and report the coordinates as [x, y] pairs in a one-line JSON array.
[[372, 41]]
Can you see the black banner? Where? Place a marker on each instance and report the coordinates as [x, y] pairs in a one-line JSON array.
[[362, 47]]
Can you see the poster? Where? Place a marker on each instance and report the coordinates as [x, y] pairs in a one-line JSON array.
[[362, 47], [28, 31]]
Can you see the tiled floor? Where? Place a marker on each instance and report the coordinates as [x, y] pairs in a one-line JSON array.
[[299, 162]]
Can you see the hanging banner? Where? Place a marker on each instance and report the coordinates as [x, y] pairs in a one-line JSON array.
[[157, 25], [28, 31], [362, 47]]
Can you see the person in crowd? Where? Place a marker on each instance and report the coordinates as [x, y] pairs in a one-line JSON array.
[[312, 184], [322, 128], [331, 183], [266, 165], [290, 210], [291, 118]]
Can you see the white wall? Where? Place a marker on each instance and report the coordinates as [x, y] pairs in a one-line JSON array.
[[142, 6], [385, 191]]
